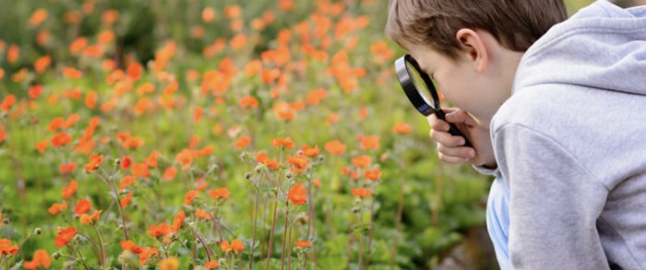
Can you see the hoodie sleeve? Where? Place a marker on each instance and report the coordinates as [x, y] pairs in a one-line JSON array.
[[554, 203]]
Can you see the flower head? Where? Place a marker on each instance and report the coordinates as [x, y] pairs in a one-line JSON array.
[[41, 258], [6, 248], [219, 193], [298, 194], [302, 243], [82, 207], [95, 161], [237, 245], [64, 236]]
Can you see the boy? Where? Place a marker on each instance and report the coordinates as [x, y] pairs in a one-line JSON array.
[[557, 115]]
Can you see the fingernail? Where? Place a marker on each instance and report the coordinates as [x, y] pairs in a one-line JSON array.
[[471, 154], [461, 142]]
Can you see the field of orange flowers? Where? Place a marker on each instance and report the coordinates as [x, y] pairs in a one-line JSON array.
[[189, 134]]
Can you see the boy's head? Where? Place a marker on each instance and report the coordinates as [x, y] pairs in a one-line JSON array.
[[515, 24], [471, 48]]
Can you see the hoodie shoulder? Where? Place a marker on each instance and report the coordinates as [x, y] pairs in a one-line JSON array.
[[602, 47]]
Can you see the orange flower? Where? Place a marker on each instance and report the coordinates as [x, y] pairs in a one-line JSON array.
[[335, 147], [286, 5], [6, 248], [361, 192], [41, 146], [140, 170], [134, 71], [35, 91], [61, 139], [190, 196], [57, 207], [130, 245], [373, 174], [369, 142], [82, 207], [169, 174], [158, 231], [78, 45], [133, 143], [242, 142], [208, 15], [70, 189], [146, 253], [300, 162], [126, 181], [88, 219], [287, 143], [201, 214], [13, 53], [151, 160], [310, 152], [109, 16], [361, 161], [262, 158], [402, 128], [42, 63], [38, 17], [211, 264], [64, 236], [315, 96], [124, 202], [177, 221], [298, 194], [170, 263], [91, 100], [302, 243], [238, 41], [248, 101], [3, 136], [232, 12], [125, 162], [237, 245], [41, 258], [185, 158], [219, 193], [7, 102], [253, 67], [93, 164]]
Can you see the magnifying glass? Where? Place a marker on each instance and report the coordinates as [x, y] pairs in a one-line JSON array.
[[421, 92]]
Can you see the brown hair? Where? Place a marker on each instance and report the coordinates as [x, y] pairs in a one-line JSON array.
[[516, 24]]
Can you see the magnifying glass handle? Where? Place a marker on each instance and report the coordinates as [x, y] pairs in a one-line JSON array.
[[453, 129]]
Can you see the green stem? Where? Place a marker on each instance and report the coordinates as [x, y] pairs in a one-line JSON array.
[[101, 249], [80, 257], [274, 219]]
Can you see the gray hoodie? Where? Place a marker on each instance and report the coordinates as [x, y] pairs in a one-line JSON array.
[[571, 144]]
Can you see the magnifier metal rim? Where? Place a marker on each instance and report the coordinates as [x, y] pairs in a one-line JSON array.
[[412, 93]]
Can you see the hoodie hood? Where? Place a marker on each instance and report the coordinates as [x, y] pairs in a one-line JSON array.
[[602, 46]]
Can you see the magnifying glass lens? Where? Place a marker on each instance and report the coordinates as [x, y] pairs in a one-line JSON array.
[[419, 83]]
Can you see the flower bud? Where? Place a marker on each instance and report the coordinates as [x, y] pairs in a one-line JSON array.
[[118, 161], [56, 255], [321, 158], [38, 231], [289, 175], [243, 156], [258, 168], [300, 152], [355, 210], [5, 221], [248, 175]]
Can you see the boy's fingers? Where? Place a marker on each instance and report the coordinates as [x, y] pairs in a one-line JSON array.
[[447, 139], [451, 159], [465, 153]]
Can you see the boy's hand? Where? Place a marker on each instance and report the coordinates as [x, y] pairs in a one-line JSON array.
[[451, 149]]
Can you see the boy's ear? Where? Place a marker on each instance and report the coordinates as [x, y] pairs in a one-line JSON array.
[[473, 48]]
